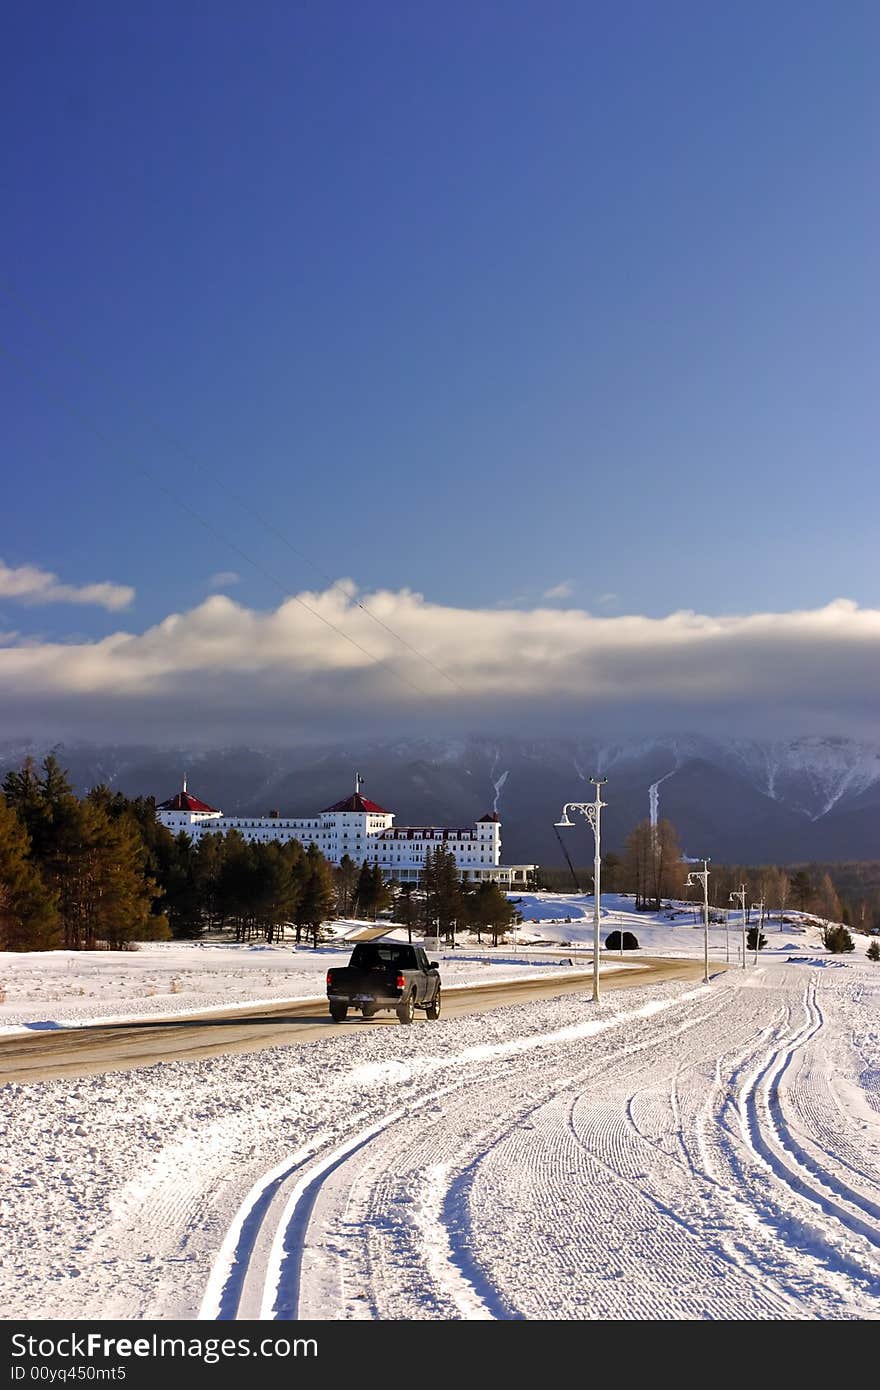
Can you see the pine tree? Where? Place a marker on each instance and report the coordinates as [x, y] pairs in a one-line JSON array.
[[381, 896], [207, 861], [157, 839], [492, 908], [467, 915], [119, 896], [91, 856], [363, 896], [28, 914], [346, 876], [319, 896], [57, 824], [55, 782], [406, 910], [182, 898], [66, 864], [235, 885], [446, 892], [837, 940], [24, 796], [802, 890], [278, 890]]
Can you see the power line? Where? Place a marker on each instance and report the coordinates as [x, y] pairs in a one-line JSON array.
[[217, 483], [95, 429]]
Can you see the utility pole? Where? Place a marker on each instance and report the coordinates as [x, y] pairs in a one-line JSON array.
[[739, 895], [592, 811], [702, 876]]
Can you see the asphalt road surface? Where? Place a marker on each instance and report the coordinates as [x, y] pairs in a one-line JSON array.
[[71, 1052]]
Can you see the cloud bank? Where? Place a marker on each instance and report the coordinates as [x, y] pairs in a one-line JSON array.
[[223, 670], [29, 584]]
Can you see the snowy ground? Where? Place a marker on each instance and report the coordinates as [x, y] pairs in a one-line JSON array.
[[55, 989], [681, 1152], [46, 989], [678, 932]]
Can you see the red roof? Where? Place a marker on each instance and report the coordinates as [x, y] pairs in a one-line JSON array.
[[356, 802], [184, 802], [492, 815]]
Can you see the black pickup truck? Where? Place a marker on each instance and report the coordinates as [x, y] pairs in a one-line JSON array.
[[385, 975]]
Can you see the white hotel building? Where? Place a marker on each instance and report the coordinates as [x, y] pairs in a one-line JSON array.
[[361, 829]]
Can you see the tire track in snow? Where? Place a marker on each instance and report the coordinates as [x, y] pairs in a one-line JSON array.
[[642, 1185], [286, 1197], [514, 1152], [391, 1198], [728, 1223], [767, 1232], [281, 1289], [408, 1222], [766, 1132], [830, 1134], [226, 1282], [450, 1223], [703, 1138], [300, 1187]]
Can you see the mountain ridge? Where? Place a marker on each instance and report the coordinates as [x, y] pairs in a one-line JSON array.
[[744, 800]]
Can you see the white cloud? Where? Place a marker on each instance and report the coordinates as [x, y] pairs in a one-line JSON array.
[[223, 667], [32, 585], [563, 590], [606, 600], [223, 579]]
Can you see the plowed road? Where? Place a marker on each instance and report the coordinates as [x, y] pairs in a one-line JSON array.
[[70, 1052]]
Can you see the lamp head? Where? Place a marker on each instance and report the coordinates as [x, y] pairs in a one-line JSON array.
[[564, 821]]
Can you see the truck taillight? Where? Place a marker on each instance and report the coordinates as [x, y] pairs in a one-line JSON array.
[[329, 973], [401, 982]]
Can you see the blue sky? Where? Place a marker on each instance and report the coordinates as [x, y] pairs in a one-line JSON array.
[[477, 300]]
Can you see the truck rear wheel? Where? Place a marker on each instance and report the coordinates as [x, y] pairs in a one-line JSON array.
[[338, 1012], [406, 1009], [433, 1009]]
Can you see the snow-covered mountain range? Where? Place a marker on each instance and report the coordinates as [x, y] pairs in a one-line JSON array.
[[788, 800]]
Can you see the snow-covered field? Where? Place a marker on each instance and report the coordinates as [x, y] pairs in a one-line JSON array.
[[45, 989], [56, 989], [567, 918], [676, 1152]]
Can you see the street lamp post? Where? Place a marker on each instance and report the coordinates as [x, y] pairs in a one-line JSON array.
[[739, 895], [592, 811], [702, 876], [727, 935]]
